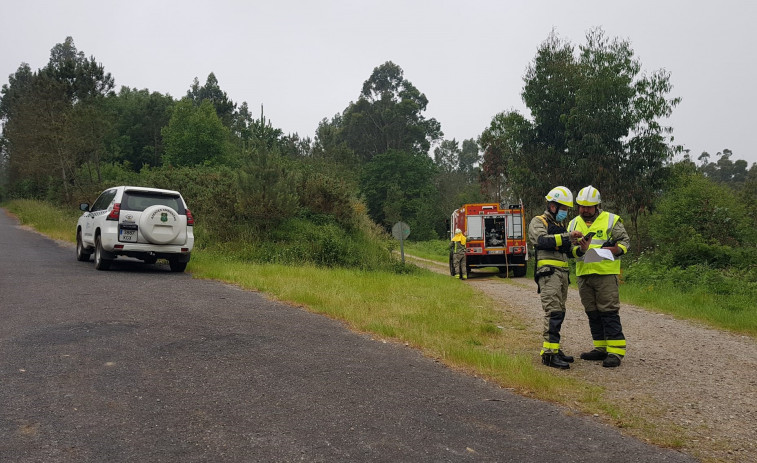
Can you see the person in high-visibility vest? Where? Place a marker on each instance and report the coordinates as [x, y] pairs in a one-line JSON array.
[[552, 241], [459, 263], [598, 280]]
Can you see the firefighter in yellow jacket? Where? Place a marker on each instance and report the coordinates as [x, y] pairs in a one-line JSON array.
[[552, 242], [457, 248], [598, 280]]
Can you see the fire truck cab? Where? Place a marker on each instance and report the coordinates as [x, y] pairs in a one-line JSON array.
[[496, 236]]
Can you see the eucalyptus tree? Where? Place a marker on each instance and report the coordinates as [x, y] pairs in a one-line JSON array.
[[469, 158], [454, 180], [398, 185], [596, 119], [388, 115], [724, 170]]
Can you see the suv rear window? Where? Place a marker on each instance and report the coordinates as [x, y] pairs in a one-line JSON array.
[[141, 200]]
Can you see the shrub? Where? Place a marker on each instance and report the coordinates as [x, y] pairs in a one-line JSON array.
[[700, 221]]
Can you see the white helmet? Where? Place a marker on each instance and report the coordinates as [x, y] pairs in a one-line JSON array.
[[458, 231], [588, 196], [560, 194]]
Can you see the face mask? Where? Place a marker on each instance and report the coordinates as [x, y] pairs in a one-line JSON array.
[[561, 215]]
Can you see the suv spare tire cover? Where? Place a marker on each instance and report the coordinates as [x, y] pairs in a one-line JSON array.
[[160, 224]]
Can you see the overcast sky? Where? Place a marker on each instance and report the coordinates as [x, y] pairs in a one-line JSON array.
[[306, 60]]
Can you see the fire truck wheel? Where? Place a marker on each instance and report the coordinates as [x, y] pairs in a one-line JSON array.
[[519, 271]]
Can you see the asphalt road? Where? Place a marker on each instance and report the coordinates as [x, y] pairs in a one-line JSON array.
[[138, 364]]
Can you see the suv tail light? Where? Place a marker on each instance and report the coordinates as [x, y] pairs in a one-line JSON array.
[[115, 213], [190, 218]]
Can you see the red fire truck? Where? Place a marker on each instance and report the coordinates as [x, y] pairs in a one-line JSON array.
[[496, 236]]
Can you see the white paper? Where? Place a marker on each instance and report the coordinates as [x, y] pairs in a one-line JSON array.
[[598, 255]]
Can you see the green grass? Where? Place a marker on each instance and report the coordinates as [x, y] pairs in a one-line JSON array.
[[436, 250], [733, 312], [54, 222]]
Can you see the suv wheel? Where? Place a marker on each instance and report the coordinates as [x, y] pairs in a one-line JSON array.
[[177, 266], [100, 262], [81, 253]]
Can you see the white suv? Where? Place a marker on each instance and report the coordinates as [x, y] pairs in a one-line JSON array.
[[146, 223]]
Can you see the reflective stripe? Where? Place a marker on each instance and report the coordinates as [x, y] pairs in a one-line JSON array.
[[600, 344], [616, 350], [553, 263], [611, 223], [616, 346], [558, 240], [550, 348]]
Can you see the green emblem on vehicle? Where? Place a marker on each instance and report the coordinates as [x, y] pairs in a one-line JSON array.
[[164, 216]]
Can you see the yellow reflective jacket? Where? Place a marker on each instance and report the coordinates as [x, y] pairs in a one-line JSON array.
[[606, 227], [458, 243]]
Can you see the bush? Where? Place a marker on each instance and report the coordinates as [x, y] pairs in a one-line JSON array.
[[647, 271], [300, 241], [701, 222]]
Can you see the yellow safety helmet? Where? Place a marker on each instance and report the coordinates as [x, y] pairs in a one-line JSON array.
[[588, 196], [560, 194]]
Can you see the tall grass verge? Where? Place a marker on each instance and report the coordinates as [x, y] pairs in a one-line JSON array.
[[54, 222]]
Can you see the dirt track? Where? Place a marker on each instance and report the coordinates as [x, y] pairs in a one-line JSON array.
[[676, 373]]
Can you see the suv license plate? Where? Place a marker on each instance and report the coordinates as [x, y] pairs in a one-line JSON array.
[[127, 235]]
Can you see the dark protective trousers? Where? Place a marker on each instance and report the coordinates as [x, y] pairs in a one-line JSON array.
[[459, 262], [554, 292], [599, 296]]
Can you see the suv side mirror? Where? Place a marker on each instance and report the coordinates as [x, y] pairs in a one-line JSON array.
[[84, 207]]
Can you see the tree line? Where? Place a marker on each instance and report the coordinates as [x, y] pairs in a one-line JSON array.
[[595, 118]]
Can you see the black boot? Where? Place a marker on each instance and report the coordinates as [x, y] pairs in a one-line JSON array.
[[554, 361], [565, 357], [611, 361], [594, 355]]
